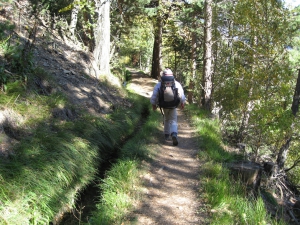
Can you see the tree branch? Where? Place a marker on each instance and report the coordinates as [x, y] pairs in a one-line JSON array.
[[294, 165]]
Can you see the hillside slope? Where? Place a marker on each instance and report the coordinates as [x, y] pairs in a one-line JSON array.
[[58, 123], [66, 63]]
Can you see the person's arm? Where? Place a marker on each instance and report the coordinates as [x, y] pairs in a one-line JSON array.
[[154, 97], [182, 105], [181, 94]]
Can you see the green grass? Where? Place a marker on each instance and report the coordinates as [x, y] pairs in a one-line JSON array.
[[228, 199], [58, 158], [55, 158], [121, 187], [119, 190]]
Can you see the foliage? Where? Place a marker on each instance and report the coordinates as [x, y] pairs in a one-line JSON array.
[[5, 1], [177, 51], [227, 198], [135, 44], [182, 25], [52, 5], [293, 161], [16, 55], [132, 34], [253, 82], [6, 29], [256, 51], [294, 47]]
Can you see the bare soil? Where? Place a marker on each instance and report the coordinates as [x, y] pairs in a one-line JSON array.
[[172, 184]]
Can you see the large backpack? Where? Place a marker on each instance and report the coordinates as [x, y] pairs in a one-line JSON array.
[[168, 94]]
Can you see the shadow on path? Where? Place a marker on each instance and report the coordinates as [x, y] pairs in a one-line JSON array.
[[172, 182]]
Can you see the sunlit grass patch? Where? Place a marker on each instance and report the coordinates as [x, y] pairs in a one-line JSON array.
[[210, 139], [138, 148], [120, 189], [228, 199], [49, 174]]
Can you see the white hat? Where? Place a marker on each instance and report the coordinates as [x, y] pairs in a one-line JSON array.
[[167, 72]]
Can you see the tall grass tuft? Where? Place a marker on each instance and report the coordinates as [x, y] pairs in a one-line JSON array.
[[119, 190]]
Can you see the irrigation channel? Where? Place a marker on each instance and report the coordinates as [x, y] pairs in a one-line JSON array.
[[88, 198]]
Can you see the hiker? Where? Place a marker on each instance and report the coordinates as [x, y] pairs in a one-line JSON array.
[[168, 94]]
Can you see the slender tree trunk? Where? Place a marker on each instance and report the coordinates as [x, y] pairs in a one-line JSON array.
[[74, 17], [194, 67], [283, 151], [175, 64], [250, 104], [295, 104], [156, 58], [207, 59], [102, 37]]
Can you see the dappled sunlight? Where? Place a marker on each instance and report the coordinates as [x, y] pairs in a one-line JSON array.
[[142, 84], [173, 180]]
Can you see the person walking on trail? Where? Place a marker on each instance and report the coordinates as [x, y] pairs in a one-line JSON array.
[[168, 94]]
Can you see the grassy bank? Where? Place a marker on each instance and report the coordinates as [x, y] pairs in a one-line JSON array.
[[52, 158], [228, 200], [122, 186]]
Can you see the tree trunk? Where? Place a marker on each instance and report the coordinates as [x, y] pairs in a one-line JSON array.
[[283, 152], [207, 58], [156, 58], [102, 37], [194, 67], [74, 17], [295, 104]]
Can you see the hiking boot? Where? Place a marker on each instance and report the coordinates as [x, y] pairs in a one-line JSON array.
[[174, 139], [167, 136]]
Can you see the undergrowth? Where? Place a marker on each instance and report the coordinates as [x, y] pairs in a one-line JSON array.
[[228, 200]]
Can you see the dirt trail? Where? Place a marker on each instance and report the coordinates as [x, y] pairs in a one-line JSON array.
[[172, 183]]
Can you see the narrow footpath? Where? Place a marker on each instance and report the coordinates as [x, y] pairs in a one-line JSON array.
[[172, 186]]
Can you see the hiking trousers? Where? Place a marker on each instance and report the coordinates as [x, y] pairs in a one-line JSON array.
[[170, 121]]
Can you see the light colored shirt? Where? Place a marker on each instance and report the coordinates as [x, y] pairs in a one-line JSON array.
[[154, 97]]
